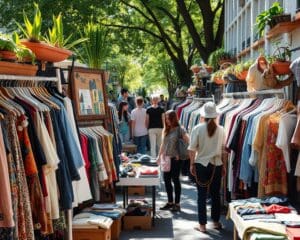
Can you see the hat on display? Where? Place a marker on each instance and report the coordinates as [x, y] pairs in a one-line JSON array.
[[209, 110]]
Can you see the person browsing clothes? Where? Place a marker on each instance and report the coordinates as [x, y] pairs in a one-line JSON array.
[[168, 159], [206, 150]]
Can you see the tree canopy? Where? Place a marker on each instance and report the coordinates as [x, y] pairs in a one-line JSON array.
[[152, 43]]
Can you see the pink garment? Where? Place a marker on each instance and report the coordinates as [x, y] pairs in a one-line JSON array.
[[165, 163], [6, 212]]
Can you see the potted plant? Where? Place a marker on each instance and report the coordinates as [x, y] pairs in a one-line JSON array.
[[241, 69], [195, 68], [281, 60], [95, 50], [7, 48], [217, 77], [271, 17], [43, 51], [218, 57]]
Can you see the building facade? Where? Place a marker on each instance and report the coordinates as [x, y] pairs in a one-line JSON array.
[[241, 36]]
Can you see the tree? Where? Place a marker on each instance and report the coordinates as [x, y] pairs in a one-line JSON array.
[[208, 35], [159, 23]]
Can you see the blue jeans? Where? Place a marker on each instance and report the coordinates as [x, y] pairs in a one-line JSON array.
[[141, 143]]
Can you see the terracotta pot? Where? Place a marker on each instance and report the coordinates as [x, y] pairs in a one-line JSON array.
[[209, 69], [47, 53], [12, 68], [242, 75], [218, 80], [196, 69], [8, 55], [281, 68]]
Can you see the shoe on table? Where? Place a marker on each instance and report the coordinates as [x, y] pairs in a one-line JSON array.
[[176, 208], [167, 206]]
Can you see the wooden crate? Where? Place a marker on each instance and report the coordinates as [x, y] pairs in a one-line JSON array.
[[116, 229], [92, 234], [136, 190], [137, 222]]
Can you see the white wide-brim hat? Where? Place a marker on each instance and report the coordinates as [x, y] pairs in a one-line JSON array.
[[209, 110]]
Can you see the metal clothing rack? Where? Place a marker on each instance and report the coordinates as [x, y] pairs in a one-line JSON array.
[[28, 78], [255, 93]]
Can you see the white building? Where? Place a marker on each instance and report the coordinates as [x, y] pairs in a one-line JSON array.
[[241, 35]]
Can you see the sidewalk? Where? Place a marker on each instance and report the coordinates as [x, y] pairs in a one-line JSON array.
[[180, 225]]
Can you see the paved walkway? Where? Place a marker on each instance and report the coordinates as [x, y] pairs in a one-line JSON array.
[[180, 225]]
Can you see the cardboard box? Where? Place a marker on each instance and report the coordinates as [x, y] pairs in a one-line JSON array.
[[136, 190], [129, 148], [92, 234], [137, 222], [116, 229]]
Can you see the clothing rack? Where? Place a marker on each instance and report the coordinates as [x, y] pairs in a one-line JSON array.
[[28, 78], [203, 99], [255, 93]]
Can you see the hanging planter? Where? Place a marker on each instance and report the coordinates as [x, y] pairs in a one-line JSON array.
[[281, 64], [12, 68], [242, 75], [47, 53]]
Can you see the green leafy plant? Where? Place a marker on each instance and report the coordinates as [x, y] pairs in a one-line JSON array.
[[243, 66], [265, 17], [6, 43], [32, 30], [218, 55], [57, 38], [95, 50], [24, 54]]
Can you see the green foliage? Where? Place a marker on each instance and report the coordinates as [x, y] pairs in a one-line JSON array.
[[243, 66], [6, 43], [24, 54], [216, 56], [265, 17], [96, 49], [56, 36], [32, 30]]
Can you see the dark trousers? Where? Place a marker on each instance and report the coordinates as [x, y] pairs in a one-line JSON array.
[[204, 175], [141, 143], [173, 176]]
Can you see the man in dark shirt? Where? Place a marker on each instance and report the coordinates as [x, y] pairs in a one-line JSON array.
[[155, 120]]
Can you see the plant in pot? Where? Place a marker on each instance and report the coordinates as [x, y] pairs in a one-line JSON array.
[[241, 69], [281, 61], [7, 48], [217, 77], [95, 50], [271, 17], [218, 57], [32, 32]]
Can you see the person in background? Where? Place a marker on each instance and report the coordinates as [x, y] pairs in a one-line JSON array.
[[155, 119], [124, 122], [168, 159], [206, 151], [139, 127], [162, 103], [124, 97]]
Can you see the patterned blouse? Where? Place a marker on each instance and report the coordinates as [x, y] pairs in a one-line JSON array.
[[170, 141]]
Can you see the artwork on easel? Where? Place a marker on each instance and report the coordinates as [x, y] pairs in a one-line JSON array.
[[88, 90]]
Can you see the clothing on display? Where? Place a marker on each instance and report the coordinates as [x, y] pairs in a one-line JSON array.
[[258, 135], [42, 166]]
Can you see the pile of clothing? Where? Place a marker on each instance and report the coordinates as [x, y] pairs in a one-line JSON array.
[[138, 207]]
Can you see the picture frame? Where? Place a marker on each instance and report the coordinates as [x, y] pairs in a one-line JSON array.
[[89, 94]]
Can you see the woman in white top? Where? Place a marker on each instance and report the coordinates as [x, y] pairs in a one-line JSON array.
[[206, 142]]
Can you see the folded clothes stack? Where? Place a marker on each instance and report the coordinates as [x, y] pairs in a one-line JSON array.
[[112, 211], [91, 221]]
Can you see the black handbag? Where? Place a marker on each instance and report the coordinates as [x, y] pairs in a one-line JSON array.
[[182, 146]]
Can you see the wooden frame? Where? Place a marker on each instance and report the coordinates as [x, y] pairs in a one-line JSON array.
[[89, 94]]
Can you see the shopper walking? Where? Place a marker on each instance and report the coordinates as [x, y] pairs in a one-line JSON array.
[[169, 161], [124, 122], [139, 127], [206, 148], [124, 97], [155, 118]]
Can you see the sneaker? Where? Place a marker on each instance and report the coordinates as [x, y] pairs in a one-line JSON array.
[[176, 208], [167, 206]]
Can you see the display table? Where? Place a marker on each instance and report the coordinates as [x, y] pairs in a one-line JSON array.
[[246, 229], [152, 182]]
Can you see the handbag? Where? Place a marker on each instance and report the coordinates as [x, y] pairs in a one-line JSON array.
[[182, 147], [165, 163]]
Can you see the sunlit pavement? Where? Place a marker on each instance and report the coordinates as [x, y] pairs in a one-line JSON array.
[[179, 225]]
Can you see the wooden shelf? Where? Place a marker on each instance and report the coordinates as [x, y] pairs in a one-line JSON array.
[[244, 52], [284, 27], [258, 43]]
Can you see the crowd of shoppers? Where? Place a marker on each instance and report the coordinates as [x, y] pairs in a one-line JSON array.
[[164, 131]]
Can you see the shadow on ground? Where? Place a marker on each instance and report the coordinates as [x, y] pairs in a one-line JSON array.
[[180, 225]]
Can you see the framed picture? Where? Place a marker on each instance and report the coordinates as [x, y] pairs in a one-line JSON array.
[[88, 93]]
